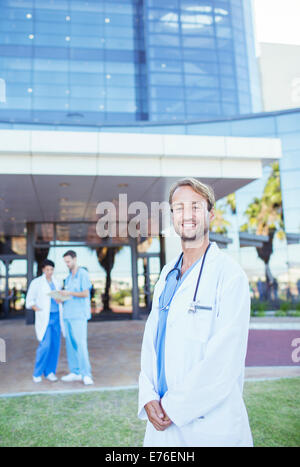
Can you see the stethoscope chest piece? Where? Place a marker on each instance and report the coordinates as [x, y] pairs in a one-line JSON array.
[[192, 308]]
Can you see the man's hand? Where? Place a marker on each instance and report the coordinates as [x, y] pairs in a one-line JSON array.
[[70, 293], [157, 416]]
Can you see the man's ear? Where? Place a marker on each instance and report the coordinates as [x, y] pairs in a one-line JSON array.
[[211, 214]]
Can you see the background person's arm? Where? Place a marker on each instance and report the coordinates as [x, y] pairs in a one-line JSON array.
[[32, 296], [68, 293]]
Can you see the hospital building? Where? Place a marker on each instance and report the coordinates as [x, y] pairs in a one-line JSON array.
[[104, 102]]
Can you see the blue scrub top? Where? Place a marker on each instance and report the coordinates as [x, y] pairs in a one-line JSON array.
[[78, 307], [54, 308], [170, 288]]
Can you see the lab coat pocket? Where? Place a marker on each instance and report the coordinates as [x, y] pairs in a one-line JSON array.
[[199, 323]]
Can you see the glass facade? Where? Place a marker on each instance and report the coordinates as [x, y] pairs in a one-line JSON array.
[[116, 61], [198, 59]]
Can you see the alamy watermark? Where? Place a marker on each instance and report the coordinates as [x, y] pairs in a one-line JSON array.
[[138, 219], [2, 351], [296, 352]]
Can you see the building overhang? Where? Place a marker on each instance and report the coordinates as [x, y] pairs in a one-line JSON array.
[[247, 239], [63, 175], [292, 238], [222, 240]]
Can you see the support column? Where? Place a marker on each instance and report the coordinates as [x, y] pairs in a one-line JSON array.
[[162, 251], [134, 272], [30, 262], [6, 301]]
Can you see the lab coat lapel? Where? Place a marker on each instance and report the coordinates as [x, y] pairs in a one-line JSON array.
[[56, 283], [45, 284], [193, 276]]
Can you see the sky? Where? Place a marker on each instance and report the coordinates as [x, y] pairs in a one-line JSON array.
[[277, 21]]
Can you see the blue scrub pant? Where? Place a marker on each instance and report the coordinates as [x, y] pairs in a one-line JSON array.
[[48, 351], [76, 345]]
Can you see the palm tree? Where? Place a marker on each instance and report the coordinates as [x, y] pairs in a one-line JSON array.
[[219, 224], [231, 202], [265, 217], [106, 258]]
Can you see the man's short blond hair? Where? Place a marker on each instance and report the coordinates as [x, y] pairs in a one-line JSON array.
[[205, 190]]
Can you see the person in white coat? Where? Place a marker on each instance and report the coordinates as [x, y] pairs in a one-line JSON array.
[[48, 322], [195, 339]]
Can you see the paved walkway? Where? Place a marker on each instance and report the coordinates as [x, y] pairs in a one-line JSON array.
[[115, 355], [280, 323]]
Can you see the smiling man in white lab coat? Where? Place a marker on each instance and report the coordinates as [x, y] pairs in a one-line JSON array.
[[195, 340]]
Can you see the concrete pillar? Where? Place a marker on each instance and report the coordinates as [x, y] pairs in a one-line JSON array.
[[30, 263], [6, 299], [134, 272], [162, 251]]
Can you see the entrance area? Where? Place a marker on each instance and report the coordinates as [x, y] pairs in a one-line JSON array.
[[123, 271], [13, 285], [13, 276]]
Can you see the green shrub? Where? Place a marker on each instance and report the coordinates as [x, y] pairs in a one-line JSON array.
[[258, 308], [286, 306], [253, 309], [120, 295], [294, 313], [261, 313], [280, 313], [261, 309]]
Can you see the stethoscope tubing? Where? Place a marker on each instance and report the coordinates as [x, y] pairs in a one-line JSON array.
[[200, 273], [178, 276]]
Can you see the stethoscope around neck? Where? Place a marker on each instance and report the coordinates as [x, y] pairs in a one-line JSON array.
[[192, 307]]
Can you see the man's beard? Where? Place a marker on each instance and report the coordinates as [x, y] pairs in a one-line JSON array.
[[196, 237]]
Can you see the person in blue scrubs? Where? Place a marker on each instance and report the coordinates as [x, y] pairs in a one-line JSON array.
[[171, 286], [77, 312], [47, 353]]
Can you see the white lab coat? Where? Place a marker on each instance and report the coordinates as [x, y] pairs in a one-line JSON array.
[[204, 358], [37, 295]]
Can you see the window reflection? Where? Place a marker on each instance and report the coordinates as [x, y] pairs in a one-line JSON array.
[[2, 90], [103, 52]]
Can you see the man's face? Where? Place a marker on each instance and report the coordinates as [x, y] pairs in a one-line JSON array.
[[190, 215], [70, 262], [48, 271]]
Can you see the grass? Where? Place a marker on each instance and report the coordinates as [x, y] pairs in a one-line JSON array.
[[109, 418], [274, 412]]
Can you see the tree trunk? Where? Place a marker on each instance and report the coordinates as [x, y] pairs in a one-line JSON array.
[[40, 255], [105, 296], [107, 262], [264, 254]]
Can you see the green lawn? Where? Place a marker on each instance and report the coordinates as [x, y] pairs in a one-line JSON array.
[[109, 418]]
